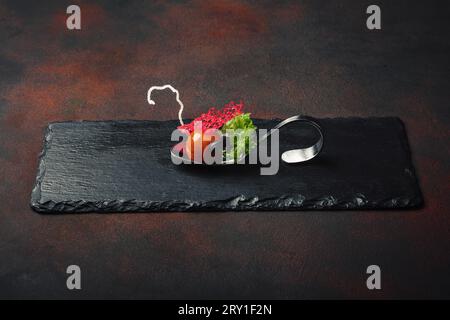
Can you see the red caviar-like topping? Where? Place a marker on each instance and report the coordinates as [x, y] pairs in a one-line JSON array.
[[215, 119]]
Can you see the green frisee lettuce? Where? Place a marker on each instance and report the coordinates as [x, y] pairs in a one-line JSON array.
[[241, 127]]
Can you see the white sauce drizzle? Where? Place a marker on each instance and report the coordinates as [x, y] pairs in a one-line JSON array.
[[167, 86]]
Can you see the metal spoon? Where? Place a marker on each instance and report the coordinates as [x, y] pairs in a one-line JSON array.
[[290, 156]]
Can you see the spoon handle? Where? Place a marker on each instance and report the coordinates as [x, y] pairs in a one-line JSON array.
[[302, 154]]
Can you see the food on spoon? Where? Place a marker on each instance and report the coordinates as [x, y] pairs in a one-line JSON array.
[[230, 118]]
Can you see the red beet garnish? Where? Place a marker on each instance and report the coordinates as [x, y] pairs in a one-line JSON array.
[[215, 119]]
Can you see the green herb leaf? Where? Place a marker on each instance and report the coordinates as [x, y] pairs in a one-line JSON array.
[[240, 127]]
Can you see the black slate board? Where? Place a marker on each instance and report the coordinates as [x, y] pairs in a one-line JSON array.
[[125, 166]]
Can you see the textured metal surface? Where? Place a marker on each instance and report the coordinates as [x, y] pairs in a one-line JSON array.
[[281, 58], [125, 166]]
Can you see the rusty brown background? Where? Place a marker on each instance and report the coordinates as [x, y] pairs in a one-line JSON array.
[[281, 58]]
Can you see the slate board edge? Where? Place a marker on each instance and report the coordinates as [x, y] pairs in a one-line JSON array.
[[418, 192], [238, 203], [36, 192]]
